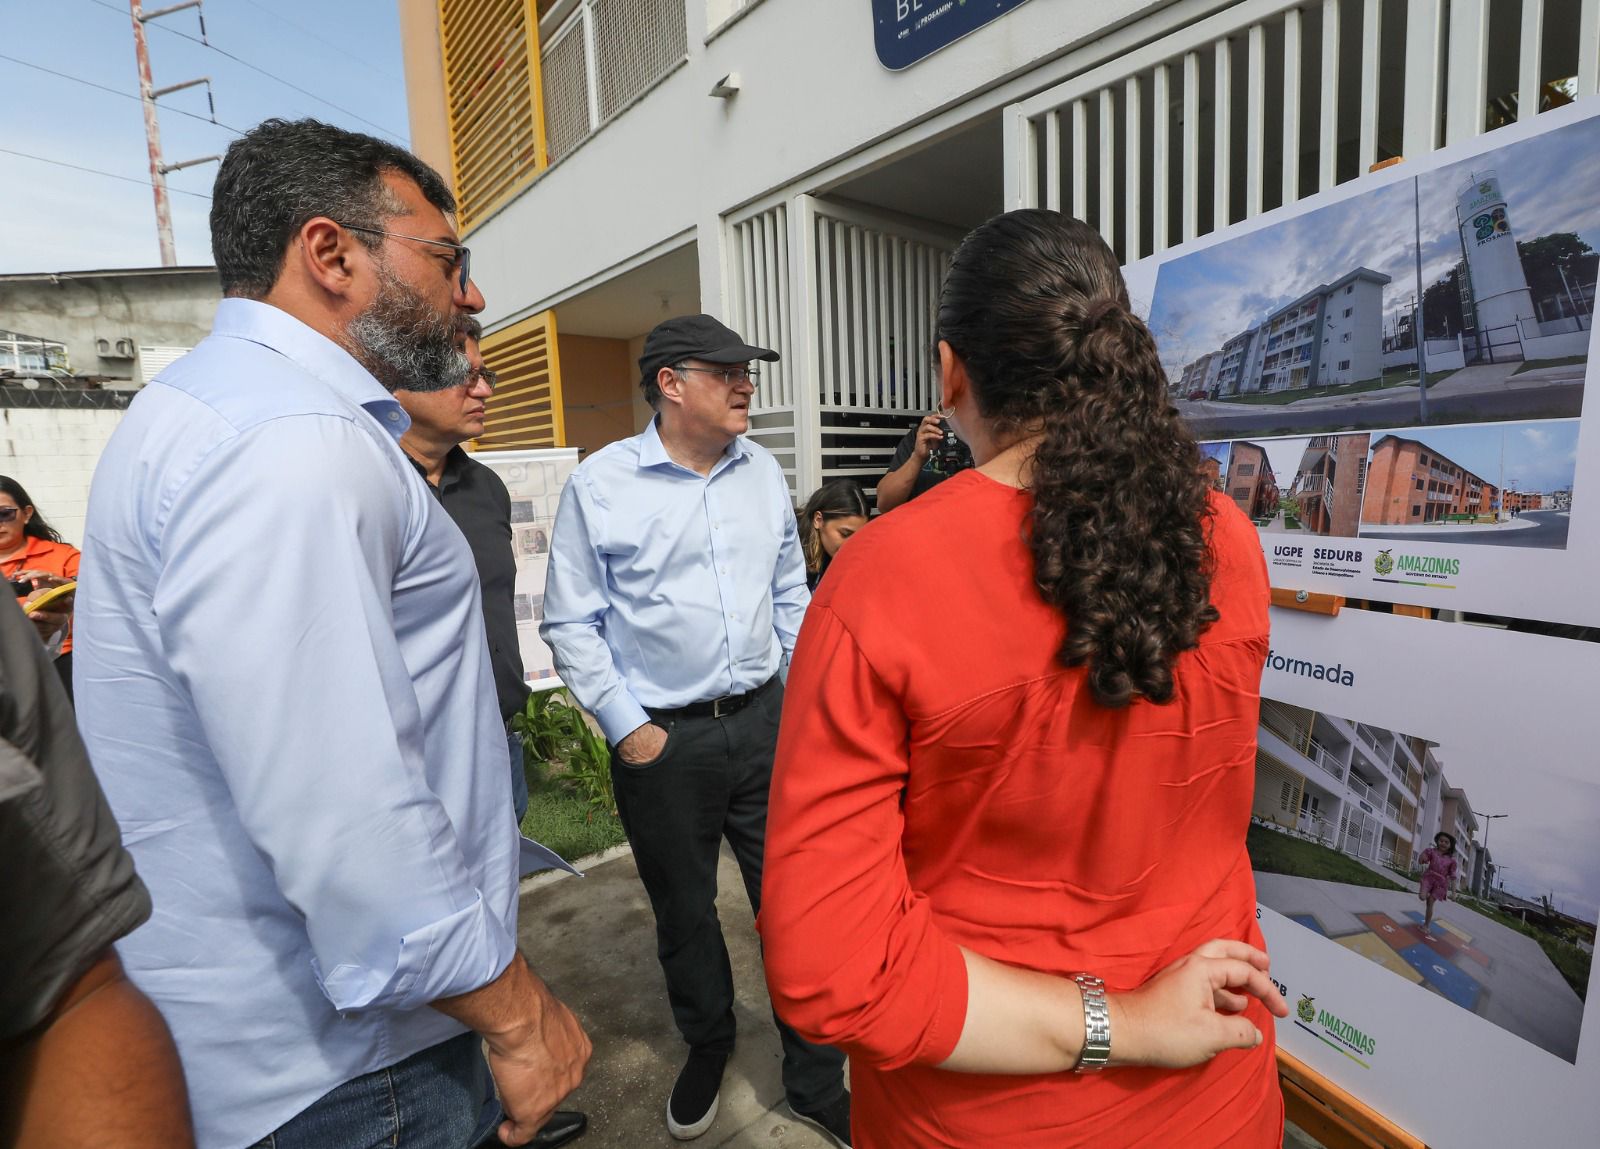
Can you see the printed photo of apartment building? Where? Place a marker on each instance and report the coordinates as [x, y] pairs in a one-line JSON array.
[[1409, 482], [1329, 482], [1370, 793], [1250, 483]]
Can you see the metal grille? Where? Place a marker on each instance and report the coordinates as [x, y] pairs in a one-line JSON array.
[[880, 295], [526, 408], [1266, 102], [492, 97], [603, 57], [566, 88], [636, 42], [759, 298]]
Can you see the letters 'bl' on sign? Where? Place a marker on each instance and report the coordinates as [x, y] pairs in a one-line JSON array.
[[908, 30]]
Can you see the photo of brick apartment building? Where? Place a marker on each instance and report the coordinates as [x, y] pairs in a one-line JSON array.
[[1408, 482], [1328, 484], [1250, 483]]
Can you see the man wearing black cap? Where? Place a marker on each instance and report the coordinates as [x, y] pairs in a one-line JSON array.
[[675, 590]]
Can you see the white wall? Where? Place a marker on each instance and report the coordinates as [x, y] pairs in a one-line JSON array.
[[812, 92], [53, 453]]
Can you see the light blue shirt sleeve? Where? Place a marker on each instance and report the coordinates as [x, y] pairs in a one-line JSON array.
[[575, 604], [274, 607], [790, 594]]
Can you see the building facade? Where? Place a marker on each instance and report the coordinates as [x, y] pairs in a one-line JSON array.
[[1408, 483], [618, 161], [1250, 482], [115, 327], [1329, 483], [1358, 789]]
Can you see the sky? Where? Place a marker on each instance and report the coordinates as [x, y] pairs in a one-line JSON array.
[[60, 219], [1205, 298]]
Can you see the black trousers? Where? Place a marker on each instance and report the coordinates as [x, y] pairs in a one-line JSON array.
[[710, 782]]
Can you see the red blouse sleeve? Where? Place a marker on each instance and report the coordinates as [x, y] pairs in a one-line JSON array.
[[854, 957]]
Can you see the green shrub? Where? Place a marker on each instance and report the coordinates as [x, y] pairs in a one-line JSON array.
[[558, 742]]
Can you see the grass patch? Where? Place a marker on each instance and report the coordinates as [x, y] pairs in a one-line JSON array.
[[1570, 961], [1277, 853], [1536, 364], [563, 819]]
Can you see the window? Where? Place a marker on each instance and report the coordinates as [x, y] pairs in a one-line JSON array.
[[1419, 484], [1415, 511], [1345, 338], [1350, 289], [1241, 492], [1349, 311], [1244, 470], [1344, 364]]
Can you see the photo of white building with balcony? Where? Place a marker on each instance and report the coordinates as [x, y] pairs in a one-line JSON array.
[[1370, 793]]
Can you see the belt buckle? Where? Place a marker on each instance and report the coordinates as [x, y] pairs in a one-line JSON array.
[[717, 704]]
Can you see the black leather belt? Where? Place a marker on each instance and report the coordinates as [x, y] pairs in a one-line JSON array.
[[716, 708]]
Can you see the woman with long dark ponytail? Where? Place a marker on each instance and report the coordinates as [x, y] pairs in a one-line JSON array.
[[1006, 838]]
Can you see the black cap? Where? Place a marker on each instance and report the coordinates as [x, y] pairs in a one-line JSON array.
[[695, 337]]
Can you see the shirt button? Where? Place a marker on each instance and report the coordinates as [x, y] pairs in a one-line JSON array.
[[716, 526], [394, 416]]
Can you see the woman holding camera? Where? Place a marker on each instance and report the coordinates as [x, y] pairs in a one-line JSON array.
[[35, 561], [1006, 866]]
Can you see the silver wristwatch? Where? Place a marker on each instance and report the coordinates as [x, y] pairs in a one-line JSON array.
[[1096, 1024]]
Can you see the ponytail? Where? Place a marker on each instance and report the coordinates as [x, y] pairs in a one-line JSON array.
[[1035, 306]]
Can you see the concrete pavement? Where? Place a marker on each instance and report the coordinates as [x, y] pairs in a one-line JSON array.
[[593, 940]]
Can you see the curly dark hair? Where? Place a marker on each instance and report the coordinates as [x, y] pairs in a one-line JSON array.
[[1035, 307]]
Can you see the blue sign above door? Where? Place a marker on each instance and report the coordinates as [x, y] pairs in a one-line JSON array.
[[908, 30]]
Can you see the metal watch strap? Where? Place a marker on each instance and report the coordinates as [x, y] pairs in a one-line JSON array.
[[1096, 1024]]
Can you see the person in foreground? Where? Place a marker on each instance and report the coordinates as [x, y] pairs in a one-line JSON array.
[[286, 686], [674, 593], [85, 1059], [1011, 845]]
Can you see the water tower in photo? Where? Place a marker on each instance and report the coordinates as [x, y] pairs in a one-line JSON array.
[[1500, 295]]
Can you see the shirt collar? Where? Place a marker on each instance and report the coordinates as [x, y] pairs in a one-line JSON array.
[[653, 452], [320, 356]]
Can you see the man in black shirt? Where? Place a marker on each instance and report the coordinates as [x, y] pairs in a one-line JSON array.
[[479, 504], [928, 454]]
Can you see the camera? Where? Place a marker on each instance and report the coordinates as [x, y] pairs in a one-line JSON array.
[[949, 455]]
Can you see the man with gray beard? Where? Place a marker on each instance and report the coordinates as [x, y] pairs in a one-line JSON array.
[[286, 691]]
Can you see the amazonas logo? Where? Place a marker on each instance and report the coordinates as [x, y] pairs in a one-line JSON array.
[[1384, 563], [1333, 1030], [1387, 562]]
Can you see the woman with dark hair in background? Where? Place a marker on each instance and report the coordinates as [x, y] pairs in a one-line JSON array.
[[35, 560], [837, 510], [1007, 830]]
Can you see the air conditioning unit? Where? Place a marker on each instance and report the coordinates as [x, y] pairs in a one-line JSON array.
[[121, 348]]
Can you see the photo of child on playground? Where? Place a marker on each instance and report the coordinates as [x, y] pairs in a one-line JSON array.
[[1470, 877]]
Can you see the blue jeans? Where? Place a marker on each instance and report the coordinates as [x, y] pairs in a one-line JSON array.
[[440, 1098], [519, 776]]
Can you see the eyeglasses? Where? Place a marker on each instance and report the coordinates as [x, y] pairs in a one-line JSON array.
[[461, 262], [486, 374], [9, 513], [730, 376]]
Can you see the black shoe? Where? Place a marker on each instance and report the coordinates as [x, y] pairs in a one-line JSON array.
[[831, 1120], [564, 1125], [693, 1105]]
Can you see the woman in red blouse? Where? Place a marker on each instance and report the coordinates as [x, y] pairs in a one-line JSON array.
[[1021, 762]]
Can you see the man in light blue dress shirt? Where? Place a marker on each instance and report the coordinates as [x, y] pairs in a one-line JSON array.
[[284, 685], [673, 597]]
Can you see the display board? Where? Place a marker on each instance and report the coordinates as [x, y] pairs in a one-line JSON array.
[[1376, 732], [1296, 344], [1391, 380], [534, 480]]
